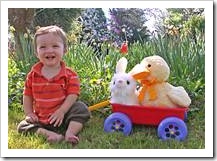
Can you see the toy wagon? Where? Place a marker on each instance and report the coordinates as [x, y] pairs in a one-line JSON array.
[[152, 74], [170, 121]]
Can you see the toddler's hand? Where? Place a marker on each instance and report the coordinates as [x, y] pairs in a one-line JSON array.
[[31, 118], [56, 118]]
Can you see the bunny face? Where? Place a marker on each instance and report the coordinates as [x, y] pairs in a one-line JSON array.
[[123, 83]]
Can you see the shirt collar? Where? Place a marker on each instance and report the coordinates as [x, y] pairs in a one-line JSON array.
[[38, 66]]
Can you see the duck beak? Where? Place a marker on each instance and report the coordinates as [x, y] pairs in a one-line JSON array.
[[141, 75]]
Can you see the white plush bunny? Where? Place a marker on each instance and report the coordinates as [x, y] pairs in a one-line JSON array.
[[123, 85]]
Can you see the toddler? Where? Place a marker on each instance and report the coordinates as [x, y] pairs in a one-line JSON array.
[[50, 96]]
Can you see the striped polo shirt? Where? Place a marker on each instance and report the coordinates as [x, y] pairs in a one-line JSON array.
[[49, 94]]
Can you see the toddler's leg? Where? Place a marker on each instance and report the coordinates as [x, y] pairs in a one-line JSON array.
[[50, 135], [75, 119], [26, 127], [73, 129]]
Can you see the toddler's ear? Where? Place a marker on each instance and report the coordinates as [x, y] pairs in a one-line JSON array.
[[36, 54], [65, 51]]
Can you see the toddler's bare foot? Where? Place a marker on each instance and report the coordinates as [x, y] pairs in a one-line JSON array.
[[72, 139], [73, 129], [50, 135], [55, 138]]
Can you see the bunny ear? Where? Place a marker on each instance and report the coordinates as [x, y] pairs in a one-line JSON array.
[[121, 65]]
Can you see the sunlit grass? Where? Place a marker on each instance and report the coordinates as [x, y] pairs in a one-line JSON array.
[[93, 136]]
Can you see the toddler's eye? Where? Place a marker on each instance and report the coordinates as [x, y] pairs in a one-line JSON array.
[[149, 65], [128, 82], [41, 47]]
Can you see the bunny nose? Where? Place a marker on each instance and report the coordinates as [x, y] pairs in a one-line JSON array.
[[120, 81]]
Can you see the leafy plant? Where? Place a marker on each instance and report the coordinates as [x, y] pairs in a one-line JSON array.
[[186, 60], [95, 71], [62, 17], [25, 60], [15, 85]]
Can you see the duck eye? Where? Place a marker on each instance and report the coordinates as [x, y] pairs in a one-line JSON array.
[[114, 83], [128, 82], [149, 65]]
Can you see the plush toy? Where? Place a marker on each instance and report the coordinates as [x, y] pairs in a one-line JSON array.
[[123, 85], [152, 73]]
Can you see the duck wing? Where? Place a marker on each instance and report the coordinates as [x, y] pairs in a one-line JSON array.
[[179, 96]]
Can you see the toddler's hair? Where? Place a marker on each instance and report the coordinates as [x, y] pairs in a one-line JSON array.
[[51, 29]]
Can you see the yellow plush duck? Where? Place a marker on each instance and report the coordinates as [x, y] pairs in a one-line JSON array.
[[155, 90]]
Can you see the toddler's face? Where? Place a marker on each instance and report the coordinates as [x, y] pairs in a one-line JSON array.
[[50, 49]]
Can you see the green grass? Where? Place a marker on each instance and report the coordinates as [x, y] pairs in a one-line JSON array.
[[93, 136]]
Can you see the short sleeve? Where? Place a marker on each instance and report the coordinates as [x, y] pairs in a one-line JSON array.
[[28, 85], [73, 83]]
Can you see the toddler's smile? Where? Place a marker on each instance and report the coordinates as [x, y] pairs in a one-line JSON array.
[[50, 57]]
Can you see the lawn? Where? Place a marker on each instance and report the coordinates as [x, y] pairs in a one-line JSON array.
[[93, 136]]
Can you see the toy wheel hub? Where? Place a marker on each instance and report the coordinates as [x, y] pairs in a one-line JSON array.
[[172, 132], [117, 127]]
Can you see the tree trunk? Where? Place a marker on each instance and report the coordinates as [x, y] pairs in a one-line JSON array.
[[21, 19]]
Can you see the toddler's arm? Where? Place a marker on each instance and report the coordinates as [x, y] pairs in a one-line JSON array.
[[28, 109], [58, 115], [69, 101]]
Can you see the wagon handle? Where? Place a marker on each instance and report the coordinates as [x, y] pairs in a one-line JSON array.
[[99, 105]]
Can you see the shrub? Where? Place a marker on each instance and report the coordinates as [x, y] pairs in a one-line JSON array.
[[95, 71], [15, 85]]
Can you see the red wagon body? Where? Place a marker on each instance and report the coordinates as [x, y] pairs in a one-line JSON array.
[[149, 115]]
